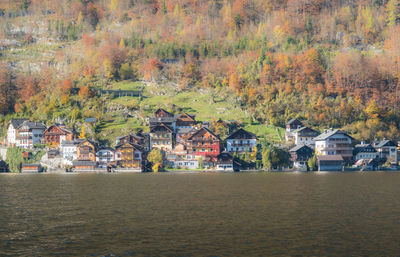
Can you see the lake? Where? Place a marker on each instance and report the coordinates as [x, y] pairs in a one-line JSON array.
[[166, 214]]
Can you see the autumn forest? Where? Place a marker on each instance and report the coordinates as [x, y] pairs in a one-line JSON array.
[[331, 63]]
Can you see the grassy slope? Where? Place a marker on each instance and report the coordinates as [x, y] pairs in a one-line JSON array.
[[194, 101]]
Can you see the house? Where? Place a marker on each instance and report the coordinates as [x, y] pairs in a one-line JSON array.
[[330, 162], [162, 137], [129, 155], [31, 168], [204, 143], [82, 165], [69, 150], [291, 126], [182, 134], [304, 136], [140, 138], [86, 151], [364, 152], [334, 142], [241, 141], [387, 149], [161, 113], [3, 166], [185, 120], [299, 155], [225, 162], [57, 133], [179, 158], [105, 156], [29, 133], [12, 126]]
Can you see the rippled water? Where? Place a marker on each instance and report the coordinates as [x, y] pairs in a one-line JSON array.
[[278, 214]]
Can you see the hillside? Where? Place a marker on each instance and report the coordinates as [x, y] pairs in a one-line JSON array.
[[330, 63]]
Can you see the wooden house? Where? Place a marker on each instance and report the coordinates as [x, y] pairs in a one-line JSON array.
[[185, 120], [140, 138], [241, 141], [225, 162], [86, 151], [31, 168], [57, 133], [83, 165], [161, 113], [330, 162], [29, 133], [162, 137], [364, 152], [205, 143], [129, 155], [299, 155], [293, 124]]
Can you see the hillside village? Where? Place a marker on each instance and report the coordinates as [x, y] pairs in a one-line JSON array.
[[178, 142]]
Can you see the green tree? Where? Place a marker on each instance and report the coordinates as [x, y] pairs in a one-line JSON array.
[[312, 163], [392, 12], [14, 159], [156, 158]]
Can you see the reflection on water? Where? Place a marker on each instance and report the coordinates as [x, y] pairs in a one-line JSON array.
[[274, 214]]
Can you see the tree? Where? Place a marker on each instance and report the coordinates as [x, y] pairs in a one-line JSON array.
[[312, 163], [156, 158], [14, 159], [392, 12], [82, 135]]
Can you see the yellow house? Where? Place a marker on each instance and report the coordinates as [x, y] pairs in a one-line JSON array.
[[86, 151]]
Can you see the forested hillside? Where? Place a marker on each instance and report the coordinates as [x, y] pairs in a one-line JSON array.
[[332, 63]]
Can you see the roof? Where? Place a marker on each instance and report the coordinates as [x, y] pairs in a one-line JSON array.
[[63, 128], [225, 157], [385, 143], [106, 148], [330, 157], [184, 130], [190, 116], [29, 165], [16, 122], [204, 129], [33, 125], [138, 147], [298, 147], [71, 143], [90, 120], [304, 130], [361, 148], [330, 133], [242, 134], [292, 121], [90, 141], [83, 163], [161, 127]]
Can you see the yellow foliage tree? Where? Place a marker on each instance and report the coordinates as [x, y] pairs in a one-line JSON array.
[[83, 133]]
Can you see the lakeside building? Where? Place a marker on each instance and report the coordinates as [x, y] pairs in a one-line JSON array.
[[162, 137], [204, 143], [58, 133], [364, 151], [180, 158], [140, 138], [291, 126], [86, 150], [29, 133], [387, 149], [105, 157], [129, 155], [225, 162], [31, 168], [69, 150], [241, 141], [12, 126], [304, 136], [330, 162], [334, 142], [299, 155]]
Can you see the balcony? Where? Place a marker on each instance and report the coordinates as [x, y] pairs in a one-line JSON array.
[[24, 137]]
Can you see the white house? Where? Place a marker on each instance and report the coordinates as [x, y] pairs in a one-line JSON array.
[[12, 126], [105, 156], [364, 152], [69, 150], [241, 141], [29, 134], [304, 136], [334, 142], [387, 149]]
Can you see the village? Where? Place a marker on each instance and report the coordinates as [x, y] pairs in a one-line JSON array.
[[177, 142]]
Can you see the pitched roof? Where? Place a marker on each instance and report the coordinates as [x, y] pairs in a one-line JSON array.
[[202, 130], [162, 119], [242, 134], [162, 110], [298, 147], [385, 143], [33, 125], [161, 127], [71, 142], [293, 121], [16, 122], [330, 133], [138, 147], [304, 130], [330, 157]]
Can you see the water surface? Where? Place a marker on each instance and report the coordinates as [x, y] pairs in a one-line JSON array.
[[276, 214]]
